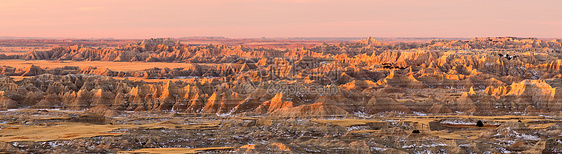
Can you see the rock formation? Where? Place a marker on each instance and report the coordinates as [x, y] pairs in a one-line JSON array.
[[365, 77]]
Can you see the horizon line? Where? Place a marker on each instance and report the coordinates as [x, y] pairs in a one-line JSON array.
[[292, 37]]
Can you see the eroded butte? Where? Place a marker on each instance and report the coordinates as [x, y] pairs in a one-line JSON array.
[[339, 97]]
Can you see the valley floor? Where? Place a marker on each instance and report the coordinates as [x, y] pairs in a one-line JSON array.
[[62, 131]]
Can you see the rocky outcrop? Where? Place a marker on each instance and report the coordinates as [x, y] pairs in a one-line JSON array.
[[279, 101], [364, 77], [7, 103], [312, 110], [536, 94], [380, 104]]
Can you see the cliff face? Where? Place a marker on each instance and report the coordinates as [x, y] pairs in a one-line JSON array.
[[535, 94], [365, 77], [79, 92]]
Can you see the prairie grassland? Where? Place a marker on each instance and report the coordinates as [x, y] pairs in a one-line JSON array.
[[21, 50], [114, 66], [347, 122], [176, 150], [60, 131], [75, 130]]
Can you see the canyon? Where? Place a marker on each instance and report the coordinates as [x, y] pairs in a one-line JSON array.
[[368, 95]]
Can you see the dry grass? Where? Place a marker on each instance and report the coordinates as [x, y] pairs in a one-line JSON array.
[[348, 122], [363, 131], [21, 50], [19, 78], [61, 131], [114, 66], [458, 134], [74, 130], [56, 118], [248, 147], [469, 133], [173, 125], [499, 119], [8, 53], [176, 150], [541, 126], [486, 126], [505, 117], [423, 120], [445, 135]]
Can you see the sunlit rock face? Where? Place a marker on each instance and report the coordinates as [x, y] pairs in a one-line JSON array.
[[367, 77]]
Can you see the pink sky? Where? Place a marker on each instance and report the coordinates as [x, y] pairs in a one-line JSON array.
[[280, 18]]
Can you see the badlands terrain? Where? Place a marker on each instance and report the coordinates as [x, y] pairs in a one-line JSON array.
[[216, 95]]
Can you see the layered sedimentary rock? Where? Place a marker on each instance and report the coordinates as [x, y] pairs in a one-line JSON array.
[[356, 78], [529, 93], [167, 50]]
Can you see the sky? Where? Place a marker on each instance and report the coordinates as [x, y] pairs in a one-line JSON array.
[[140, 19]]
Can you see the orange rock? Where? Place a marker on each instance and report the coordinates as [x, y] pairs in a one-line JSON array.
[[279, 102]]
